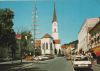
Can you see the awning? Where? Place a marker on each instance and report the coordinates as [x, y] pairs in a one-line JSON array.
[[97, 50], [97, 53]]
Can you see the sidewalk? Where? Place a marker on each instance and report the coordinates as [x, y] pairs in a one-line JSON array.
[[15, 61], [18, 66], [97, 65]]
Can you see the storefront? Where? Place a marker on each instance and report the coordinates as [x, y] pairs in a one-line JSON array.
[[97, 50]]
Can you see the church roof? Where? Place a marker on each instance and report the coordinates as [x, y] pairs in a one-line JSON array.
[[47, 36], [57, 41], [54, 14]]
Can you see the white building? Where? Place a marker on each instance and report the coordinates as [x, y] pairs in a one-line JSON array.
[[50, 43], [47, 46], [83, 35], [55, 33]]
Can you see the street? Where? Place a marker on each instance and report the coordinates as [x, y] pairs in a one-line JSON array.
[[56, 64], [96, 67]]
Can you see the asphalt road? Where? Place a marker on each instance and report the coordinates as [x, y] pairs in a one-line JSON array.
[[56, 64]]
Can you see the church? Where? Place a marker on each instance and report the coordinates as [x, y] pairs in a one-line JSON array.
[[50, 44]]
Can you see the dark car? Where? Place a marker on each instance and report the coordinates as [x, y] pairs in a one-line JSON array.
[[98, 60]]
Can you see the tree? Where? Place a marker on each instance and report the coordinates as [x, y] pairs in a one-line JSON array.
[[7, 34], [25, 41]]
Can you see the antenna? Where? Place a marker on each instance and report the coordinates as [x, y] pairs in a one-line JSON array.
[[34, 25]]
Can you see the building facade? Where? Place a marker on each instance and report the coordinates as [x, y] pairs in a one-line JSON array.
[[50, 44], [47, 46], [83, 35], [94, 39], [55, 33]]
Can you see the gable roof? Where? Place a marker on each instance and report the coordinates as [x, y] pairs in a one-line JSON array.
[[57, 41], [47, 36]]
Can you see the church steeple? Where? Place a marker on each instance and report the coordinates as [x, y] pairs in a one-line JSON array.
[[54, 24], [55, 33], [54, 14]]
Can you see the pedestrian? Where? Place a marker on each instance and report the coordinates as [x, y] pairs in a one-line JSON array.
[[94, 57]]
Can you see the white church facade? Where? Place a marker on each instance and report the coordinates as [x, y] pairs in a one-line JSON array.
[[47, 46], [50, 44]]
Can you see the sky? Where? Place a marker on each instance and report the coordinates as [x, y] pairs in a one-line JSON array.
[[71, 14]]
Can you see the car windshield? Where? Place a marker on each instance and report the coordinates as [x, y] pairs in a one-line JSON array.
[[81, 59]]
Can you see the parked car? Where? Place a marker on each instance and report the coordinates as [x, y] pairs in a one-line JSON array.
[[50, 56], [81, 62], [37, 58], [43, 57], [40, 58]]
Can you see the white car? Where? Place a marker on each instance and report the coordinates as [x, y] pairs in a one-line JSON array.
[[40, 58], [81, 62]]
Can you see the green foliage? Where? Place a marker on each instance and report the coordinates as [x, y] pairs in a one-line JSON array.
[[26, 33], [73, 42], [7, 34], [26, 38]]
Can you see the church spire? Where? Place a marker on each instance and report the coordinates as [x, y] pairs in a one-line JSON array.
[[54, 14]]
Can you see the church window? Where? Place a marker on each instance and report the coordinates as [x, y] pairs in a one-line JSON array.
[[43, 45], [46, 45], [55, 30], [50, 46], [54, 24]]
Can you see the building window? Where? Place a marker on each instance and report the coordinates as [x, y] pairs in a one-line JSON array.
[[46, 45], [95, 40], [43, 46], [51, 46], [98, 38], [55, 30], [54, 24], [91, 42]]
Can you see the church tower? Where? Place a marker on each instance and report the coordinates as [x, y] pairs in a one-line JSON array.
[[54, 25], [55, 34]]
